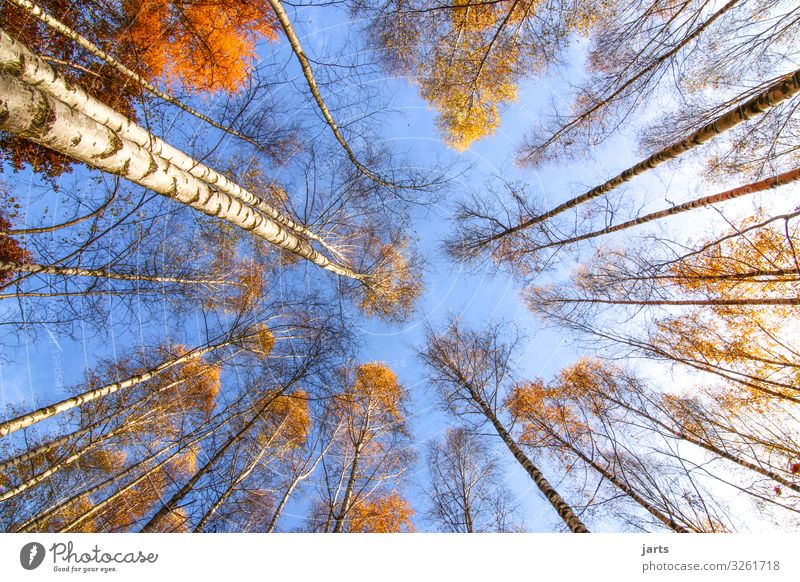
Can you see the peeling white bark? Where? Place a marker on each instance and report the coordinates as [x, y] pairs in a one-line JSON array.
[[30, 113], [45, 412], [64, 30], [33, 70]]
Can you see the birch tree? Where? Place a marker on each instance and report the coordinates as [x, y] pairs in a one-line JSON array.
[[556, 420], [738, 290], [362, 473], [284, 428], [479, 234], [471, 369], [642, 48], [468, 57], [527, 254], [749, 447], [139, 164], [108, 434], [467, 493], [41, 414]]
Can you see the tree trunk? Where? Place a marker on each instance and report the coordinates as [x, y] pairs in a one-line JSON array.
[[295, 481], [739, 461], [622, 486], [53, 444], [35, 71], [628, 82], [695, 440], [566, 513], [34, 522], [787, 275], [30, 113], [50, 445], [344, 508], [103, 274], [26, 420], [229, 491], [655, 351], [710, 302], [285, 498], [170, 505], [241, 477], [778, 92], [96, 51], [467, 513], [39, 477], [273, 522], [305, 65], [761, 186]]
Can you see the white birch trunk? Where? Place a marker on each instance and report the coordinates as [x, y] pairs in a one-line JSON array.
[[196, 437], [37, 116], [34, 70], [64, 30], [39, 477], [752, 188], [26, 420], [782, 89], [103, 274]]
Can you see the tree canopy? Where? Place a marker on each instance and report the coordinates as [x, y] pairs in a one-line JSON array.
[[391, 266]]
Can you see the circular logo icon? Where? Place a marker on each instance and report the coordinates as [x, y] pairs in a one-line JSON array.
[[31, 555]]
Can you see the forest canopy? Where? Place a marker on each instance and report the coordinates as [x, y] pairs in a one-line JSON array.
[[384, 266]]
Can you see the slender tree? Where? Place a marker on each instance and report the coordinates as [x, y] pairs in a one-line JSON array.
[[476, 238], [361, 473], [466, 492], [470, 368]]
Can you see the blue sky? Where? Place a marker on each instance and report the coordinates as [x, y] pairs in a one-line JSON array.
[[36, 372]]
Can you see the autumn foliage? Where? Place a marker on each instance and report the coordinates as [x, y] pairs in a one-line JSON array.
[[563, 403], [367, 455], [10, 251], [538, 408], [206, 46], [467, 91], [287, 422], [263, 341], [376, 388], [114, 433], [394, 284], [746, 341], [468, 60], [386, 514], [227, 383]]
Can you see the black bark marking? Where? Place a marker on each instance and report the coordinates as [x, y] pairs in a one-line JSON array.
[[115, 145]]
